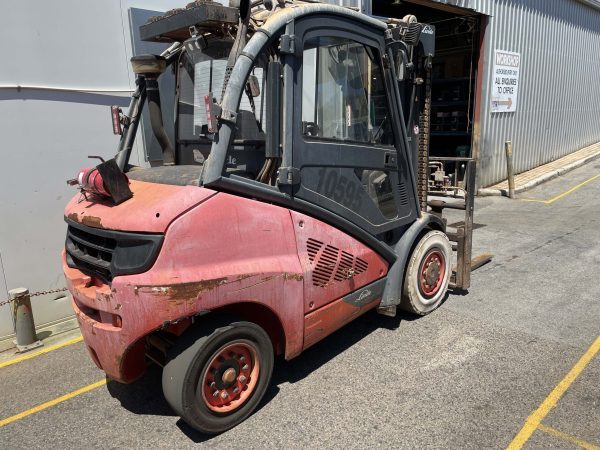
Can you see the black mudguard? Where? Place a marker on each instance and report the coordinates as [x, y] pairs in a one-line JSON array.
[[392, 292]]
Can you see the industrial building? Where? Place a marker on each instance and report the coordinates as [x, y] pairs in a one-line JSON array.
[[519, 70]]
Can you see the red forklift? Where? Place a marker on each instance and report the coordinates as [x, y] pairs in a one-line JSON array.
[[296, 194]]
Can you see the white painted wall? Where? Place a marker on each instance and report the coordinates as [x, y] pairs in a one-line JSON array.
[[46, 135]]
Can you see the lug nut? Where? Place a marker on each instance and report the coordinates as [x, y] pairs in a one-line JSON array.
[[224, 395], [213, 385], [242, 379], [246, 367], [216, 394], [242, 358], [236, 390]]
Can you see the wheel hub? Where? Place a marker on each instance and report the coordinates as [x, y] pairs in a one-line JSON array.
[[431, 274], [230, 377]]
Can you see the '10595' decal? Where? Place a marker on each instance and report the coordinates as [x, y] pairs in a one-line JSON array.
[[339, 188]]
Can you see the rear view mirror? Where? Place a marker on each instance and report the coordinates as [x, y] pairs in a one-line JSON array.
[[400, 65]]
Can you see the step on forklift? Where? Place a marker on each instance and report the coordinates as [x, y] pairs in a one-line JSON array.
[[295, 195]]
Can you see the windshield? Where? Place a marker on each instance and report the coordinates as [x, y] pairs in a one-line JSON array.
[[201, 72]]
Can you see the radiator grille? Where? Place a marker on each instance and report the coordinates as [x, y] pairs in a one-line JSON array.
[[90, 252], [105, 254]]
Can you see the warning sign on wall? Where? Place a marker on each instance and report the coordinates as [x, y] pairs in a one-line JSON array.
[[505, 81]]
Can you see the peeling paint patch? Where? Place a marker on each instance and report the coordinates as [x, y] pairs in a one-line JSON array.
[[92, 221], [244, 276], [182, 291], [285, 276], [293, 276]]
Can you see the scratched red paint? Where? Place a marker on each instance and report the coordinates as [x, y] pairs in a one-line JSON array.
[[219, 250], [152, 208]]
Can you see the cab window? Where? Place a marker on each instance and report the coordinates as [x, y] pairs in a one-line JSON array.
[[343, 92]]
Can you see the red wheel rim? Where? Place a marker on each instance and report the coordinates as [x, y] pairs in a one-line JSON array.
[[432, 272], [230, 377]]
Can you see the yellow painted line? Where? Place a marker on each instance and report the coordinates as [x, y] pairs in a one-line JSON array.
[[41, 352], [535, 419], [567, 437], [532, 200], [558, 197], [56, 401]]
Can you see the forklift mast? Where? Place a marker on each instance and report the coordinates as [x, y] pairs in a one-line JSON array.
[[413, 45]]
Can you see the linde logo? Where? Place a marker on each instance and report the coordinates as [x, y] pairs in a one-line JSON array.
[[427, 29], [506, 59], [364, 295]]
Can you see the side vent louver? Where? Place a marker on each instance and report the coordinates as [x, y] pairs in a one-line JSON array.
[[332, 263], [402, 194]]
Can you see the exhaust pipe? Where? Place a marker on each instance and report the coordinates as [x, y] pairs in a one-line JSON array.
[[156, 121], [151, 66]]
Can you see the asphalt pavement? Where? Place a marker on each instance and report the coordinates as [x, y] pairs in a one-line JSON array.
[[467, 376]]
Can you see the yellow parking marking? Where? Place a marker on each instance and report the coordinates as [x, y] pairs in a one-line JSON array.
[[41, 352], [535, 419], [56, 401], [558, 197], [567, 437]]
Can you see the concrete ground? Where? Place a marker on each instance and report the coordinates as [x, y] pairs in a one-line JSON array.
[[467, 376]]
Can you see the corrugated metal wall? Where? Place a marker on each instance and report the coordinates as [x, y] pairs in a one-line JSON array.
[[558, 106]]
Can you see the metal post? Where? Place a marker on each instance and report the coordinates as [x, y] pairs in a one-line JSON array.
[[509, 166], [23, 320], [468, 229]]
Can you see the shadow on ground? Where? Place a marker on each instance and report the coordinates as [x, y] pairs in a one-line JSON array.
[[145, 395]]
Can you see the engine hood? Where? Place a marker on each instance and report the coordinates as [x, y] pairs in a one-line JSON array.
[[151, 209]]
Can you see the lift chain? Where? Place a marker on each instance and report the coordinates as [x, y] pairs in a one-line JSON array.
[[423, 159], [35, 294]]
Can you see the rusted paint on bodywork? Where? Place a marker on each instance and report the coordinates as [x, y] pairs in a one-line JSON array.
[[152, 208], [182, 291], [189, 291], [224, 252], [227, 250]]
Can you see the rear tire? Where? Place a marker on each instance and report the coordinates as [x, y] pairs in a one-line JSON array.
[[215, 378], [428, 274]]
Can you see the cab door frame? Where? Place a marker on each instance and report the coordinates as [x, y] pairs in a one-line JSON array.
[[337, 159]]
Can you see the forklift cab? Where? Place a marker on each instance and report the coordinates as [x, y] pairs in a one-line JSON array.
[[310, 116]]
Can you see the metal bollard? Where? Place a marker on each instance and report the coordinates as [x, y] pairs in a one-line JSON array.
[[23, 320], [509, 168]]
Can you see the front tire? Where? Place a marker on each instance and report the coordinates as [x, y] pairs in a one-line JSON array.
[[214, 379], [428, 274]]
